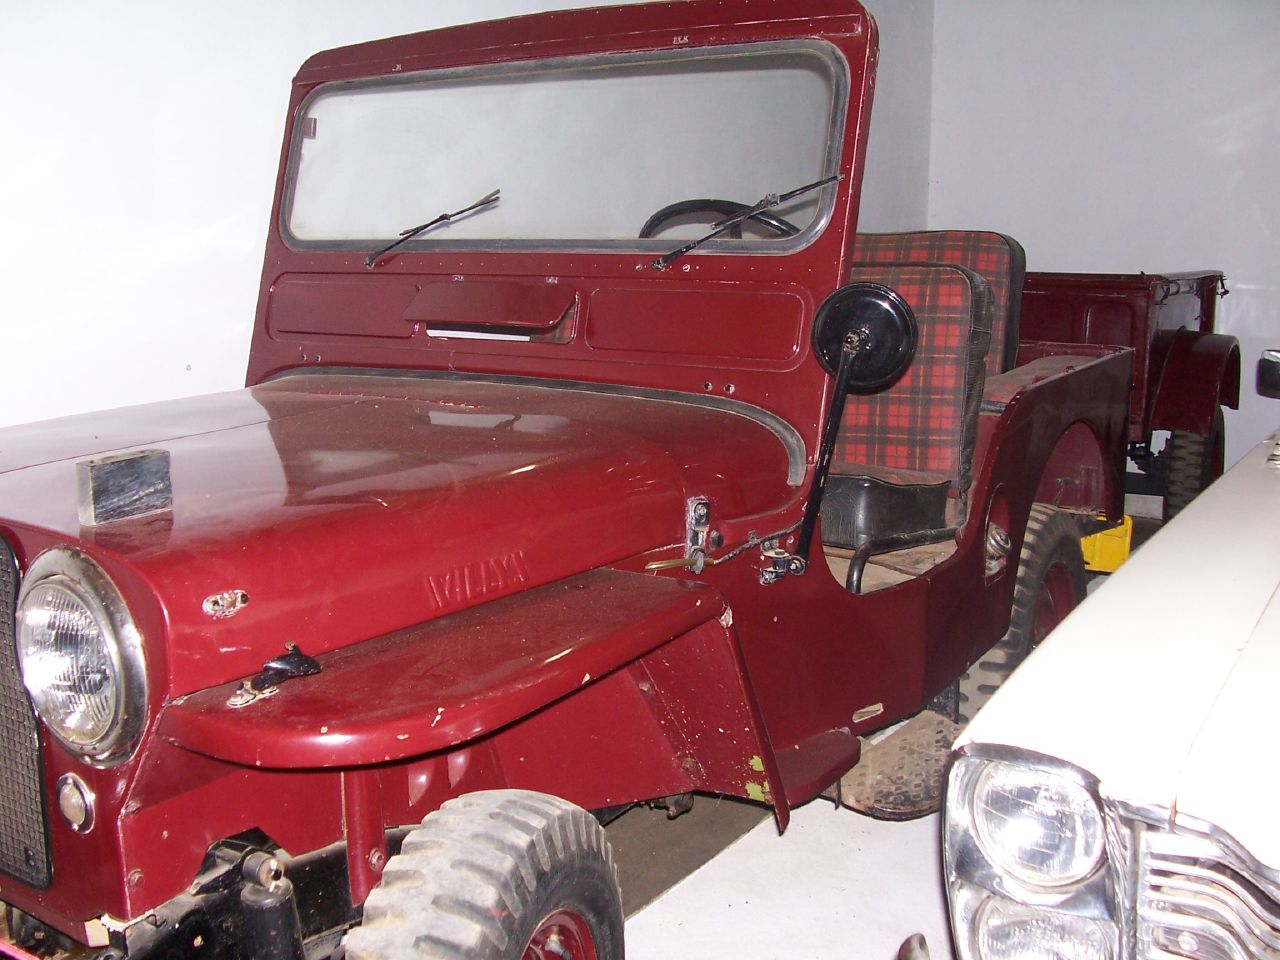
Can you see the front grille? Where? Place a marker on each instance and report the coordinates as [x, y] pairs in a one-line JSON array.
[[24, 847], [1200, 895]]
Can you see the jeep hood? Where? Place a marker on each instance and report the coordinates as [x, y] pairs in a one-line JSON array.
[[349, 506], [1162, 684]]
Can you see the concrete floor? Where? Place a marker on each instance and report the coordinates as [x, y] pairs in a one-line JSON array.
[[836, 884]]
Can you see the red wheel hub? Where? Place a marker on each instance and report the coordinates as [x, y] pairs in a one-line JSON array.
[[562, 935]]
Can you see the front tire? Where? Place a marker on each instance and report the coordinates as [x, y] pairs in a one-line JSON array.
[[496, 875], [1050, 582], [1194, 463]]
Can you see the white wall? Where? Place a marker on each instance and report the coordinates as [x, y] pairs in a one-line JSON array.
[[1106, 136], [895, 189], [137, 163]]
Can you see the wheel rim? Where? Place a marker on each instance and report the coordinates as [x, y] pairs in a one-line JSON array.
[[1056, 599], [562, 935]]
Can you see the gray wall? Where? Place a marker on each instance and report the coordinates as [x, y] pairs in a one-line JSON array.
[[895, 194], [1106, 136]]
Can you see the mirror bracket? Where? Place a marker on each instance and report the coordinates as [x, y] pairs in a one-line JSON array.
[[864, 335]]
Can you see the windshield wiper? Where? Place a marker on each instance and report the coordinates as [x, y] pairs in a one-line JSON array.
[[720, 226], [412, 232]]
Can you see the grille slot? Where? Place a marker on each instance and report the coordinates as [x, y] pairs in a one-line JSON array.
[[24, 846], [1202, 898]]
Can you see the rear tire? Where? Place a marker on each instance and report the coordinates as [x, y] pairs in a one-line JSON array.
[[1194, 463], [496, 875], [1050, 582]]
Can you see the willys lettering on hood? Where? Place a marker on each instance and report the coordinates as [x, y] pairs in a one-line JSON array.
[[417, 496]]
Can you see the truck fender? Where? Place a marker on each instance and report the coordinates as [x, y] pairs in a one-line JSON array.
[[606, 687], [1201, 371]]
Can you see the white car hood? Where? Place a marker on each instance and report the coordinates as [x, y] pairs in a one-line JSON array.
[[1162, 684]]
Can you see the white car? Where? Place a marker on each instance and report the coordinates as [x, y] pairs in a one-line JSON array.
[[1115, 799]]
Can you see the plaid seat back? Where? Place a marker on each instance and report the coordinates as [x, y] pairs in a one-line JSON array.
[[996, 258], [925, 425]]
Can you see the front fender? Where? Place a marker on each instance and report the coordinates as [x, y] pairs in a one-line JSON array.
[[445, 682], [1200, 372], [605, 688]]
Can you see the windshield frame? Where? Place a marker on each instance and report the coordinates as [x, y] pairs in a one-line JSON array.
[[827, 53]]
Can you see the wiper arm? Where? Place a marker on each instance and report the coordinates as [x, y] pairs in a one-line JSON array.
[[720, 226], [412, 232]]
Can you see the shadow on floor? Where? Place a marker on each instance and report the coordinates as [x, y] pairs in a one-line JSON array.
[[654, 853]]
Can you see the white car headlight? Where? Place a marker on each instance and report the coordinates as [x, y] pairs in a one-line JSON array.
[[80, 655], [1013, 931], [1041, 829], [1026, 859]]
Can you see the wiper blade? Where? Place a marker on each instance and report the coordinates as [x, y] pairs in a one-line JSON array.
[[720, 226], [406, 235]]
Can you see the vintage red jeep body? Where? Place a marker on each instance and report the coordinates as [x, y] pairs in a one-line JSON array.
[[1184, 372], [530, 503]]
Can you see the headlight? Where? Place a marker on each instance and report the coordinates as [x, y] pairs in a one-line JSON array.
[[1011, 931], [81, 656], [1041, 829], [1026, 859]]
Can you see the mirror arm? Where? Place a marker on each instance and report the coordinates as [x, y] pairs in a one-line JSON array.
[[854, 342]]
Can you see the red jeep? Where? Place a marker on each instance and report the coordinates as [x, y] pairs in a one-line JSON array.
[[611, 483], [1183, 372]]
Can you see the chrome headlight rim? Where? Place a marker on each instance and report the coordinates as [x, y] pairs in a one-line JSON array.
[[1071, 934], [73, 571], [967, 862], [975, 886], [1074, 800]]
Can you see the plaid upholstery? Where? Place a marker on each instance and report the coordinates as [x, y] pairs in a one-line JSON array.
[[923, 428], [996, 258]]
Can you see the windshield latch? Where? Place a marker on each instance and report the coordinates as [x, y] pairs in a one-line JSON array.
[[699, 538]]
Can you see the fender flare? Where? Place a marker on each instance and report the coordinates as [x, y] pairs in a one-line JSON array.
[[1201, 371]]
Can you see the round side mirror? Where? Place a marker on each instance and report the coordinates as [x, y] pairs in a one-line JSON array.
[[878, 322]]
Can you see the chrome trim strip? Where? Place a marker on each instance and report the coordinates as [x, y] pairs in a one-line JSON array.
[[1201, 893], [787, 434]]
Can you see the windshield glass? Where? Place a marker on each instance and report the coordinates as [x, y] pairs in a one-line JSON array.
[[584, 151]]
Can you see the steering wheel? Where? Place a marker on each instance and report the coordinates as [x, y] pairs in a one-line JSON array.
[[722, 209]]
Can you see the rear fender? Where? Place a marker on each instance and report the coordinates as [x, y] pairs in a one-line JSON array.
[[1201, 371], [1068, 403], [1077, 475], [1054, 429]]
